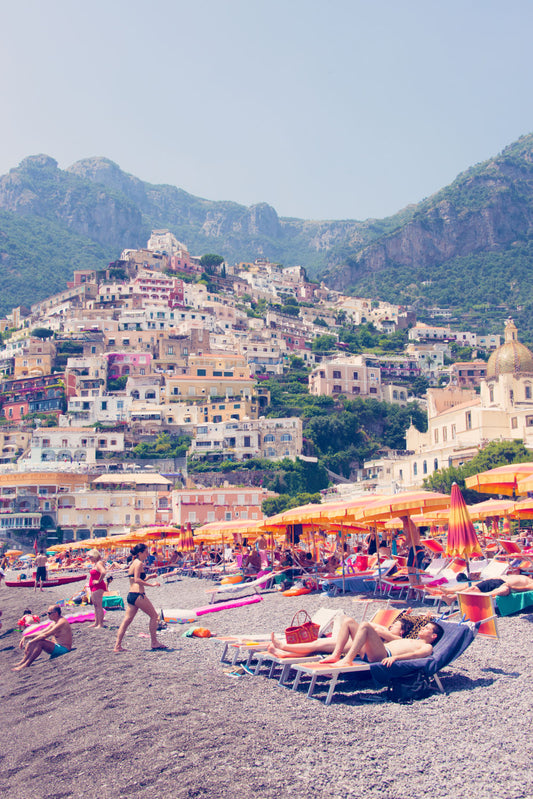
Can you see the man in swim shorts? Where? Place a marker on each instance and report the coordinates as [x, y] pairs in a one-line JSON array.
[[40, 562], [369, 645], [500, 586], [56, 639]]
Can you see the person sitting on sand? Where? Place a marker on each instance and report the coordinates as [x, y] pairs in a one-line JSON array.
[[56, 639], [137, 599], [368, 644], [399, 629]]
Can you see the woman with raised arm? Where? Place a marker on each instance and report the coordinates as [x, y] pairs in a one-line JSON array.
[[137, 599]]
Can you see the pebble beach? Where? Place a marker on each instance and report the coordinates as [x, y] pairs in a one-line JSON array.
[[173, 723]]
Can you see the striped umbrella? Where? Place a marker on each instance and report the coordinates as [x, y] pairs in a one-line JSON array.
[[508, 479], [462, 539]]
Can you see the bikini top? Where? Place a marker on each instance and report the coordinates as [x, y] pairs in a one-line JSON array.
[[142, 575]]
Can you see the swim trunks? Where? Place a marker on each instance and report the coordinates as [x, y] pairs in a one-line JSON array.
[[365, 659], [132, 597], [486, 586], [58, 650], [415, 557], [41, 573]]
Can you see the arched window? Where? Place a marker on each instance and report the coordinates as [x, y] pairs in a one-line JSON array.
[[425, 467], [415, 469], [268, 438], [435, 464]]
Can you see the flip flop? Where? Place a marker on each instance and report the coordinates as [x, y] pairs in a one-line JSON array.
[[155, 648]]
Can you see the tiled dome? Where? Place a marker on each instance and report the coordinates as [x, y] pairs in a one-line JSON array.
[[512, 357]]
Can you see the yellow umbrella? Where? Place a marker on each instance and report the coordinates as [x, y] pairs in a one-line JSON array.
[[502, 479]]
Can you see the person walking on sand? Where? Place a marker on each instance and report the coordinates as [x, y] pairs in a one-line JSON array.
[[58, 631], [97, 586], [40, 562], [137, 599]]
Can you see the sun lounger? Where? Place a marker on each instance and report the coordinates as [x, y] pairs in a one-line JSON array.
[[480, 608], [456, 638], [521, 600], [256, 585], [252, 643]]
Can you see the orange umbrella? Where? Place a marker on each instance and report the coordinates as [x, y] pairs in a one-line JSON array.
[[462, 538], [523, 509], [407, 503], [502, 479], [489, 508]]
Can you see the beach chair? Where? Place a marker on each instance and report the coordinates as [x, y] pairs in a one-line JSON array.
[[231, 589], [456, 638], [384, 616], [251, 644], [480, 609]]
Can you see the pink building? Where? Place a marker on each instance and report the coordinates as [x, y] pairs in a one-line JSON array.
[[202, 505], [120, 364]]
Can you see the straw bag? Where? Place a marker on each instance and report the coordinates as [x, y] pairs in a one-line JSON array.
[[302, 629]]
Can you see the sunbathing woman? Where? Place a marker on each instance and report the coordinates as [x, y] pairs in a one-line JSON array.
[[137, 600], [398, 629], [498, 586]]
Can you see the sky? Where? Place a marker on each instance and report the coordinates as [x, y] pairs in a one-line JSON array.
[[340, 109]]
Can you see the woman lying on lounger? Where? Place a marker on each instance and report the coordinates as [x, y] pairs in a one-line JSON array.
[[337, 646], [498, 586]]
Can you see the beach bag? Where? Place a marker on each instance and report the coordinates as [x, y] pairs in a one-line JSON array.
[[407, 689], [302, 629]]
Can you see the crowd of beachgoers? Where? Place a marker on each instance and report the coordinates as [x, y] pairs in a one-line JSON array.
[[172, 720]]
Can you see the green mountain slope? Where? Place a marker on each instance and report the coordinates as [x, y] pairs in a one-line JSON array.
[[471, 243]]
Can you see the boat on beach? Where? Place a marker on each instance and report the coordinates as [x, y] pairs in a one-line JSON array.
[[49, 583]]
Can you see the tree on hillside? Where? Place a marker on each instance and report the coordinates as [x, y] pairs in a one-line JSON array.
[[497, 453], [42, 332], [210, 261]]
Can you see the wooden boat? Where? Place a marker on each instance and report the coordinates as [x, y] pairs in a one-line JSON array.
[[50, 583]]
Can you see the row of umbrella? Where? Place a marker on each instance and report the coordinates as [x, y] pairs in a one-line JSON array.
[[358, 516]]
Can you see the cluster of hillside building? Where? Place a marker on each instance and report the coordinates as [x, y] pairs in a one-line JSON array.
[[146, 347]]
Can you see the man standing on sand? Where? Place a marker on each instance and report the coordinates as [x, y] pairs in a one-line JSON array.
[[56, 639], [40, 562]]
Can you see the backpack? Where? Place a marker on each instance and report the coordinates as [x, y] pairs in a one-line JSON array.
[[406, 689]]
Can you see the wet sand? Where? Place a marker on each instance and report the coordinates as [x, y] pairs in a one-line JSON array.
[[173, 724]]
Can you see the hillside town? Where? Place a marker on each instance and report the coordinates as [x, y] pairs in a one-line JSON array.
[[112, 387]]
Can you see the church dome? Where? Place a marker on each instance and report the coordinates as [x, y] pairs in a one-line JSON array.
[[512, 357]]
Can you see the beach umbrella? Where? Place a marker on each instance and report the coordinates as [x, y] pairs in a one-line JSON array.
[[523, 509], [462, 539], [491, 508], [502, 479], [14, 553], [525, 484]]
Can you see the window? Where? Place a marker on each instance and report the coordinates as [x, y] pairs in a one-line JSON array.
[[435, 465], [337, 389], [436, 436], [514, 423], [425, 467], [227, 516], [247, 441], [453, 431], [217, 374], [373, 390], [286, 437], [336, 374], [356, 376], [415, 469], [268, 438], [104, 405], [445, 434], [528, 391], [468, 420], [200, 372], [356, 390], [529, 421]]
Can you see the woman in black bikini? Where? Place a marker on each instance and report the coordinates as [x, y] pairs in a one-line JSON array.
[[137, 600]]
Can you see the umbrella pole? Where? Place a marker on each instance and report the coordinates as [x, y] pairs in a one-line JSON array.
[[379, 562], [343, 566], [223, 555]]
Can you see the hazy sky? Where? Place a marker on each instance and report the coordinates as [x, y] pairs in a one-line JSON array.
[[332, 109]]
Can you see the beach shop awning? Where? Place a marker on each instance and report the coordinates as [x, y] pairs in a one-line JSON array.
[[501, 480]]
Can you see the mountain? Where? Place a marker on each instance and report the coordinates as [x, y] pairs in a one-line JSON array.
[[468, 247], [470, 244], [53, 221]]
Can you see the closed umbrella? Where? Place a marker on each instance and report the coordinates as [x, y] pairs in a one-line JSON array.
[[462, 539]]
